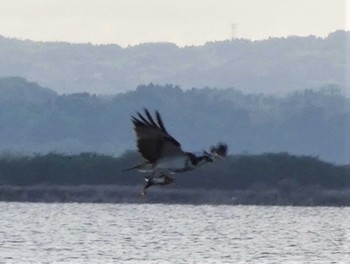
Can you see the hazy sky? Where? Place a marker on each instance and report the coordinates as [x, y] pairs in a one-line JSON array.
[[184, 22]]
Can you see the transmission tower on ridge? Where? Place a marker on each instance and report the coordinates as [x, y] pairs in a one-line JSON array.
[[233, 31]]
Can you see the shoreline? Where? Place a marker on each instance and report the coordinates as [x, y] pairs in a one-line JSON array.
[[169, 195]]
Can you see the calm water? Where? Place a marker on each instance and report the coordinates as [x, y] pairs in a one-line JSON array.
[[124, 233]]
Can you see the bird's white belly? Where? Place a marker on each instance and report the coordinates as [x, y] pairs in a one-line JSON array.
[[171, 164]]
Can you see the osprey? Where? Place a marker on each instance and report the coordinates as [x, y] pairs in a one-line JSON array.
[[163, 154]]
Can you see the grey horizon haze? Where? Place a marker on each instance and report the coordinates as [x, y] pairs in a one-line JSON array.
[[181, 22]]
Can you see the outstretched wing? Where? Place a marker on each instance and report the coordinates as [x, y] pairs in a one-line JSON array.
[[153, 141]]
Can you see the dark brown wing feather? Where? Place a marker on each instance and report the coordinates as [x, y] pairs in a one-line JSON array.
[[153, 141]]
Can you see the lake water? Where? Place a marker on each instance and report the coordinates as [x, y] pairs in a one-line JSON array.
[[142, 233]]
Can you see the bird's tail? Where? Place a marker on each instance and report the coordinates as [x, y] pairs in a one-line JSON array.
[[141, 167], [129, 169]]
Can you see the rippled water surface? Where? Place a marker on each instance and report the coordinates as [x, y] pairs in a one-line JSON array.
[[127, 233]]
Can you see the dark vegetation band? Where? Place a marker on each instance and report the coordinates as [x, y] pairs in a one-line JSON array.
[[235, 172]]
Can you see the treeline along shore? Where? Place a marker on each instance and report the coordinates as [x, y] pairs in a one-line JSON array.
[[265, 179]]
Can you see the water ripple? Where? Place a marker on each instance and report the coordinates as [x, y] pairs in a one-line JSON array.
[[134, 233]]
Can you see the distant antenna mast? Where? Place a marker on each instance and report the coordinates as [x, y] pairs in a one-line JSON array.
[[233, 31]]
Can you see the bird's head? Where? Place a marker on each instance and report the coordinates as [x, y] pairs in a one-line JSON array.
[[219, 151], [196, 161]]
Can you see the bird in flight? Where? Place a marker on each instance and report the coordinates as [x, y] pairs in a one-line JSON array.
[[163, 154]]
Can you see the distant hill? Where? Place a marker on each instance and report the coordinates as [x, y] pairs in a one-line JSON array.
[[18, 90], [276, 65], [310, 122]]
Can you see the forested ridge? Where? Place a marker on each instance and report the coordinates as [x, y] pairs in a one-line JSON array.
[[311, 122], [235, 172], [275, 65]]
